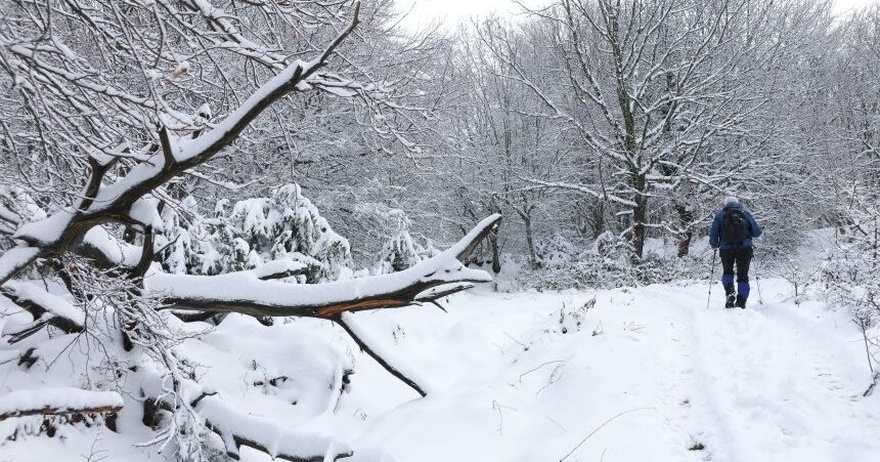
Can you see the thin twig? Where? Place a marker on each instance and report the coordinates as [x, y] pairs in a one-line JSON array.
[[538, 367], [600, 427]]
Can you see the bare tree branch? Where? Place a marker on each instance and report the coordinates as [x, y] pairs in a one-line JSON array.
[[44, 307], [384, 362]]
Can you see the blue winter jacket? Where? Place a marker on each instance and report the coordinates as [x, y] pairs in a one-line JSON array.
[[715, 231]]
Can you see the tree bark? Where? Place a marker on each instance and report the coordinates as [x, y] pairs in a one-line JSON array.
[[639, 217], [685, 217]]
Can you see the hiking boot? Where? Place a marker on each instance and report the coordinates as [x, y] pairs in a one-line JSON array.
[[731, 301], [731, 296], [741, 302]]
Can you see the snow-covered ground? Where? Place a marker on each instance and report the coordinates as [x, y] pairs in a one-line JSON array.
[[647, 374], [650, 374]]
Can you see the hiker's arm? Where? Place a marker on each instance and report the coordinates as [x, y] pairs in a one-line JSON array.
[[754, 228], [714, 230]]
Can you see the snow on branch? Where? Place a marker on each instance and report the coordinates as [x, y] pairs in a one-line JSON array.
[[246, 293], [599, 194], [279, 269], [46, 308], [107, 251], [14, 260], [58, 401], [239, 428]]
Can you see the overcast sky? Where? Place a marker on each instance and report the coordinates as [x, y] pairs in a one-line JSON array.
[[452, 11], [844, 6]]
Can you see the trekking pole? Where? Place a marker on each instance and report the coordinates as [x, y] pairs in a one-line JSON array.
[[758, 281], [712, 278]]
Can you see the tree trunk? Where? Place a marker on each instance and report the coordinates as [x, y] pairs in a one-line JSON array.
[[496, 259], [530, 239], [639, 215], [686, 217]]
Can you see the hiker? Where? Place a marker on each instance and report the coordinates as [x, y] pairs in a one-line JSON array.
[[732, 231]]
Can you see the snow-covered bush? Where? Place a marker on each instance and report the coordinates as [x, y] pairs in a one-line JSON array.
[[288, 226], [401, 251], [184, 250], [562, 265], [850, 269], [850, 274], [249, 233]]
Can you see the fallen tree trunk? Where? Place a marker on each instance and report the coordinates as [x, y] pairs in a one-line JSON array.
[[245, 293], [74, 404], [49, 410]]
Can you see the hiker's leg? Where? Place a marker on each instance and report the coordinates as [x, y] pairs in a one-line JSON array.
[[728, 257], [743, 261]]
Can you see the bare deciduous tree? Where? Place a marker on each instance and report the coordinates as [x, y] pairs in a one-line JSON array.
[[662, 96]]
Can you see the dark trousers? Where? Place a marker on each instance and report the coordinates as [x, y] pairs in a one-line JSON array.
[[742, 258]]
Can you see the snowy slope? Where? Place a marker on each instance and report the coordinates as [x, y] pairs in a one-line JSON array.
[[643, 374]]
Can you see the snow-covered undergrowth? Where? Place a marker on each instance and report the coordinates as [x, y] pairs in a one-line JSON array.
[[252, 233], [613, 375]]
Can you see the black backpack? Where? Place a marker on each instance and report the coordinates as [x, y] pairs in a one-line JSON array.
[[735, 227]]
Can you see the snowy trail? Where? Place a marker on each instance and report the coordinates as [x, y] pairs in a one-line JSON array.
[[783, 387], [657, 374]]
